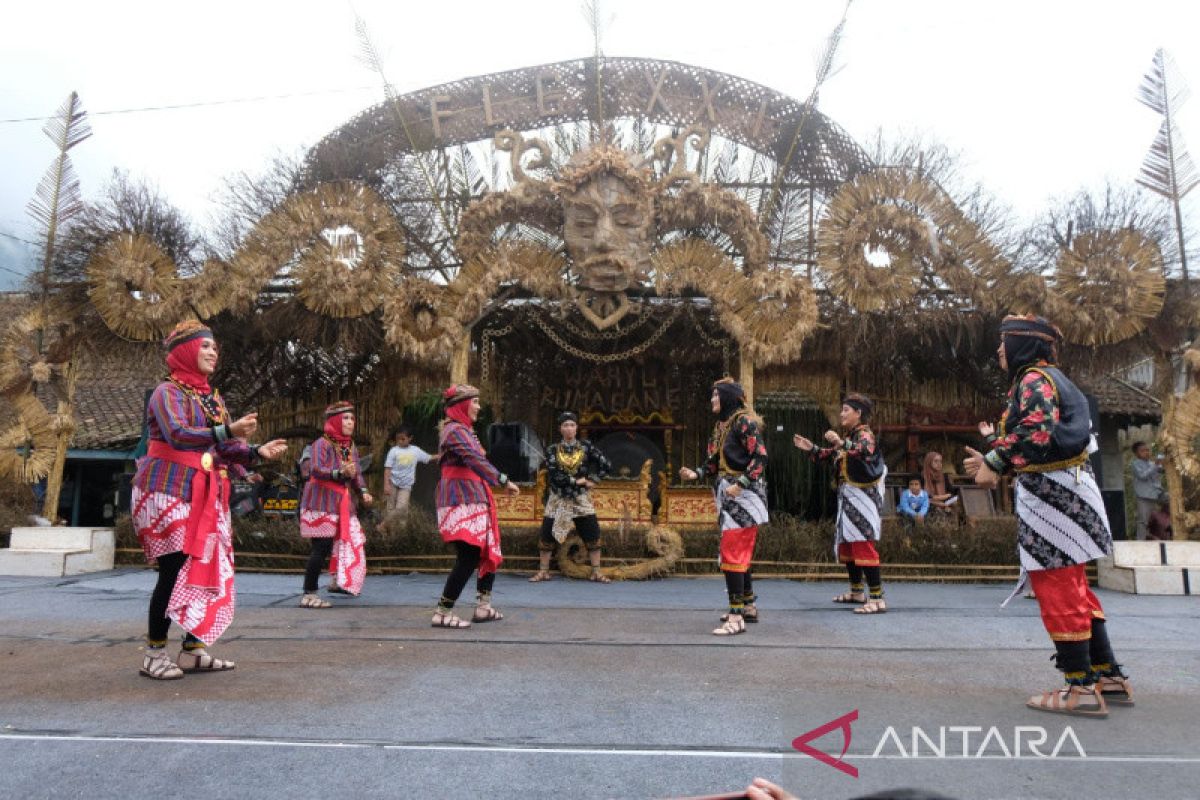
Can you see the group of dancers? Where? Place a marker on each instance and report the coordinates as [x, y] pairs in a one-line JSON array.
[[180, 506]]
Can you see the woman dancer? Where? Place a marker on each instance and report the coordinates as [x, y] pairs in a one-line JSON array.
[[180, 504], [860, 500], [466, 510], [1044, 437], [328, 509], [737, 460]]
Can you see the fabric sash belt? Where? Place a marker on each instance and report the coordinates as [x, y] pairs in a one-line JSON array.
[[344, 507], [454, 472], [209, 487]]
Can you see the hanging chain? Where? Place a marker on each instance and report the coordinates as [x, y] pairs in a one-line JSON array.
[[722, 344], [605, 358], [489, 338]]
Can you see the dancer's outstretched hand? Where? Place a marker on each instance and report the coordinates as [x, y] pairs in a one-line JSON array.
[[986, 429], [975, 466], [688, 474], [245, 427], [272, 449], [804, 443], [511, 489]]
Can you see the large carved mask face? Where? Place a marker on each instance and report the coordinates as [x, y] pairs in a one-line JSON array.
[[608, 232]]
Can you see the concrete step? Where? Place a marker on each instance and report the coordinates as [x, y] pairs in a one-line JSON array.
[[1147, 579], [1157, 554], [54, 552], [41, 563], [51, 538]]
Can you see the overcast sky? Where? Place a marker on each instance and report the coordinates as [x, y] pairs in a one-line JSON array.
[[1039, 96]]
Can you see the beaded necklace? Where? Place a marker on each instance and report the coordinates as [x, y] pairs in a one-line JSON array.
[[343, 453], [214, 409]]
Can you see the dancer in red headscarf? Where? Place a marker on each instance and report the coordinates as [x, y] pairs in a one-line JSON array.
[[466, 509], [328, 509], [180, 504]]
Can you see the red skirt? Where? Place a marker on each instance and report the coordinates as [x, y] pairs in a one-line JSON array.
[[1067, 603], [863, 554], [737, 548]]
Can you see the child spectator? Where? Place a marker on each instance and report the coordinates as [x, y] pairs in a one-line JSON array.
[[914, 504], [400, 470]]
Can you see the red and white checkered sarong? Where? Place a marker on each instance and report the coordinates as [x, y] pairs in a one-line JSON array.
[[160, 521], [348, 563], [318, 524], [475, 524], [206, 613]]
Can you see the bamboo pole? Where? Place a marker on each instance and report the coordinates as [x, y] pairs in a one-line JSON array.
[[66, 427]]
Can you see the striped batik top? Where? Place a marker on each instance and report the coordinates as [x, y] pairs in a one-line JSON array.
[[179, 420], [326, 466], [460, 447]]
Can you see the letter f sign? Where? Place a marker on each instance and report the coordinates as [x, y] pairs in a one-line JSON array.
[[800, 743]]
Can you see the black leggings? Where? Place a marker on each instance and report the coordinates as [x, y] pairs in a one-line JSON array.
[[874, 580], [321, 548], [740, 586], [168, 572], [466, 561], [587, 527]]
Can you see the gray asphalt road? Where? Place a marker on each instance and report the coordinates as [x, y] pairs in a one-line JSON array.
[[582, 691]]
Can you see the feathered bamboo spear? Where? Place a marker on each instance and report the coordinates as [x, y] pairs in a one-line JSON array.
[[1168, 170], [591, 14], [824, 69], [56, 201]]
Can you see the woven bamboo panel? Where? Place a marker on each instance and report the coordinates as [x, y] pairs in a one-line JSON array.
[[666, 92]]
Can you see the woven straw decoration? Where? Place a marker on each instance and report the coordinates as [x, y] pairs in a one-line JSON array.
[[130, 263], [1108, 286]]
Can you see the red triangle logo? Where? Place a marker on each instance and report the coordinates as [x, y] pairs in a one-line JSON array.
[[800, 743]]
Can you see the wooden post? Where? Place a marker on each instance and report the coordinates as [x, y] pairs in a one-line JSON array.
[[747, 378], [460, 360]]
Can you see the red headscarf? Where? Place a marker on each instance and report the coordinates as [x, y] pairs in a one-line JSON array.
[[183, 353], [457, 399], [333, 422]]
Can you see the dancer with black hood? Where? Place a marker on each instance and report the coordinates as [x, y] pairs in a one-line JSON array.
[[861, 473], [737, 460], [1044, 436]]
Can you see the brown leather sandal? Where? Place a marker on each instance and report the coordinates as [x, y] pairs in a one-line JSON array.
[[486, 614], [448, 620], [198, 660], [157, 665], [1079, 701], [872, 606], [1115, 690]]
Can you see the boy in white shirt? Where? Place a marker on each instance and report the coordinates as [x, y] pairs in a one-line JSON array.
[[400, 470]]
